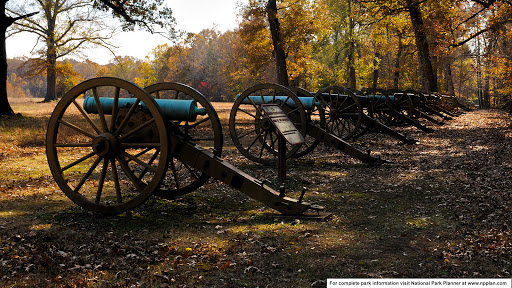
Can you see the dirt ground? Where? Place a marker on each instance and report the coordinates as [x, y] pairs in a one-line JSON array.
[[441, 209]]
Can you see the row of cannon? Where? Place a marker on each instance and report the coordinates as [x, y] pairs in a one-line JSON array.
[[111, 144]]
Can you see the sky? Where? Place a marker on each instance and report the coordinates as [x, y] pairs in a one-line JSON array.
[[191, 16]]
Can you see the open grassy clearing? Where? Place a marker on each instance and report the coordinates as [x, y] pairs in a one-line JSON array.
[[442, 209]]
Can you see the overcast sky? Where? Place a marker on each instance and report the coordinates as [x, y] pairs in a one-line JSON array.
[[191, 16]]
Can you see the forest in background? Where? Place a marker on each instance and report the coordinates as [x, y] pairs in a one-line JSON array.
[[350, 43]]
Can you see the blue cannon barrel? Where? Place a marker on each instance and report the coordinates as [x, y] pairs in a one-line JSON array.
[[173, 109], [307, 102], [377, 97], [329, 97], [367, 98]]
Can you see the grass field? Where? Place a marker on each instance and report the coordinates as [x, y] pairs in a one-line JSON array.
[[441, 209]]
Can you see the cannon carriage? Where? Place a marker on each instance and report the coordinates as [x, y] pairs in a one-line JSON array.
[[111, 145], [330, 116], [257, 139]]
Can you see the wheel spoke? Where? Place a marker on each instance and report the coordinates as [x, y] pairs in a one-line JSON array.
[[142, 152], [293, 111], [73, 145], [115, 177], [141, 145], [76, 128], [86, 116], [153, 158], [102, 180], [100, 109], [77, 162], [263, 144], [248, 133], [248, 113], [254, 141], [175, 174], [244, 123], [115, 109], [285, 101], [257, 107], [192, 172], [87, 175], [200, 122], [137, 129], [125, 167], [127, 117], [138, 161], [272, 140]]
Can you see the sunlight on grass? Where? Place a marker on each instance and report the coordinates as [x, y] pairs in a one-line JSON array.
[[420, 222], [24, 168], [32, 106], [39, 227], [11, 213]]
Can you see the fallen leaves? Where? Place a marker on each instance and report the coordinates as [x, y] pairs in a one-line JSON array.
[[442, 208]]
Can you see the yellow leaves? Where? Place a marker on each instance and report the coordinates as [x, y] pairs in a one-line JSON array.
[[202, 266]]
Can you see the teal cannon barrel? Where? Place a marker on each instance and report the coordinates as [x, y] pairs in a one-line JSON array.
[[366, 99], [308, 102], [379, 97], [172, 109]]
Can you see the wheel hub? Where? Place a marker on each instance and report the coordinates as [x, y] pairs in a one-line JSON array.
[[266, 124], [105, 145]]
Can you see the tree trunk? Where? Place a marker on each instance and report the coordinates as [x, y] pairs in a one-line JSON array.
[[51, 77], [279, 53], [429, 78], [449, 78], [51, 53], [487, 94], [5, 22], [479, 75], [397, 61]]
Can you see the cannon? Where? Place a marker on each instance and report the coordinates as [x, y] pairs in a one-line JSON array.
[[346, 113], [110, 145], [256, 138], [397, 107]]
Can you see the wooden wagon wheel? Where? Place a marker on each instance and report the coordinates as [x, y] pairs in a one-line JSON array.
[[252, 131], [402, 102], [381, 107], [204, 130], [343, 111], [418, 102], [315, 116], [107, 159]]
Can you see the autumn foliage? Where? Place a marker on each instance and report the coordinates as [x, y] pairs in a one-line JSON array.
[[350, 43]]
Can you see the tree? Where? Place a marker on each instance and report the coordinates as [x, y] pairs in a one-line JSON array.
[[133, 13], [279, 53], [65, 27], [5, 22], [429, 78], [294, 30]]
